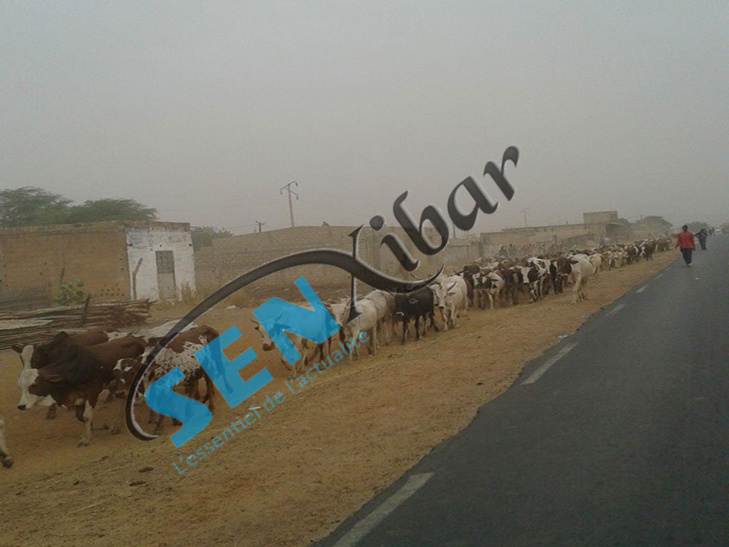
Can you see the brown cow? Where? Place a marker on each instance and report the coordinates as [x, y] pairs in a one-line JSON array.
[[77, 377]]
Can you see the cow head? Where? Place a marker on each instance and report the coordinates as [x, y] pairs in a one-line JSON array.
[[266, 342], [125, 370], [26, 354], [29, 388], [440, 290]]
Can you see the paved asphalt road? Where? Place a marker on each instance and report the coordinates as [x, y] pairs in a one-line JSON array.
[[617, 436]]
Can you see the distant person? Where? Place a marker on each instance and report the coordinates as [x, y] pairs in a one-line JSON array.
[[702, 235], [685, 241]]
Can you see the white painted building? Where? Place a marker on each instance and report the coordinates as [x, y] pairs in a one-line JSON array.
[[161, 260]]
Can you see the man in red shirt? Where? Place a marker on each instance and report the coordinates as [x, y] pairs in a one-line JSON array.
[[685, 240]]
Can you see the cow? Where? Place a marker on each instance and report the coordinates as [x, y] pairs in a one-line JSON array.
[[306, 348], [633, 254], [5, 458], [535, 276], [366, 321], [180, 353], [384, 304], [596, 261], [488, 285], [647, 249], [414, 306], [578, 268], [469, 272], [77, 377], [40, 355], [451, 296]]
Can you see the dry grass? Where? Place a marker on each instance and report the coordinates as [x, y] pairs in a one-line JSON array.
[[305, 466]]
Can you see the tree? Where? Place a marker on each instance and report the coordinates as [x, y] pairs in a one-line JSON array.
[[697, 225], [31, 206], [202, 236], [110, 209], [654, 224]]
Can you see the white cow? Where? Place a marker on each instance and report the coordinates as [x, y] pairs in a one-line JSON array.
[[495, 289], [366, 321], [596, 261], [579, 269], [5, 459], [385, 305], [450, 297]]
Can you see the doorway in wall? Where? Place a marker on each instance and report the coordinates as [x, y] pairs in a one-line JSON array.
[[166, 275]]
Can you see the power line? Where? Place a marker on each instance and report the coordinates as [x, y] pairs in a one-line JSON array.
[[291, 205]]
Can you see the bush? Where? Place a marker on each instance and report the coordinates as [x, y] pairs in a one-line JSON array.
[[71, 293], [188, 296]]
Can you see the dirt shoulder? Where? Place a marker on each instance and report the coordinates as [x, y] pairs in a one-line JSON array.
[[304, 466]]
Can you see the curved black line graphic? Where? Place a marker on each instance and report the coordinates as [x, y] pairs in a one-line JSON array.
[[329, 257]]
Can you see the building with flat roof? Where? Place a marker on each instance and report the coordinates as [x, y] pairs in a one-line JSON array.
[[117, 260]]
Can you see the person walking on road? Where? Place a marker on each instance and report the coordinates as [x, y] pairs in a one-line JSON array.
[[702, 235], [685, 241]]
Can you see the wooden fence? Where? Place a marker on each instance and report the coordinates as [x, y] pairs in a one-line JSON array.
[[28, 327]]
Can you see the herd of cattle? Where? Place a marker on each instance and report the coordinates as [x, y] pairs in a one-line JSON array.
[[76, 370]]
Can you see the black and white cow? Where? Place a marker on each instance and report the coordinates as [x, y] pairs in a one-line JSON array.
[[416, 305], [180, 353]]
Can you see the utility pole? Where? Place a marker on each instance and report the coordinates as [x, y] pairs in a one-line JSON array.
[[291, 205], [526, 224], [259, 225]]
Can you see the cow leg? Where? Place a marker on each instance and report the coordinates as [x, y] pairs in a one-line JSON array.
[[210, 391], [51, 413], [5, 459], [87, 416], [576, 290], [116, 428], [160, 424], [432, 320], [417, 327], [404, 329]]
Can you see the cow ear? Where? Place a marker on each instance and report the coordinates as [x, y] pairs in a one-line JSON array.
[[62, 335], [17, 348]]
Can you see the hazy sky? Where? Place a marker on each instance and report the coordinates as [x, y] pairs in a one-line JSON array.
[[206, 109]]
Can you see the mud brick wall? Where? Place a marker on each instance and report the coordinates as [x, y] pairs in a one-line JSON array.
[[33, 258], [228, 258]]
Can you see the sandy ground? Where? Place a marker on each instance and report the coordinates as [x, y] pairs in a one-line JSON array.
[[304, 466]]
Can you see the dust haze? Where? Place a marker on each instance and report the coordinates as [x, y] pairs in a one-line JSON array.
[[205, 110]]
